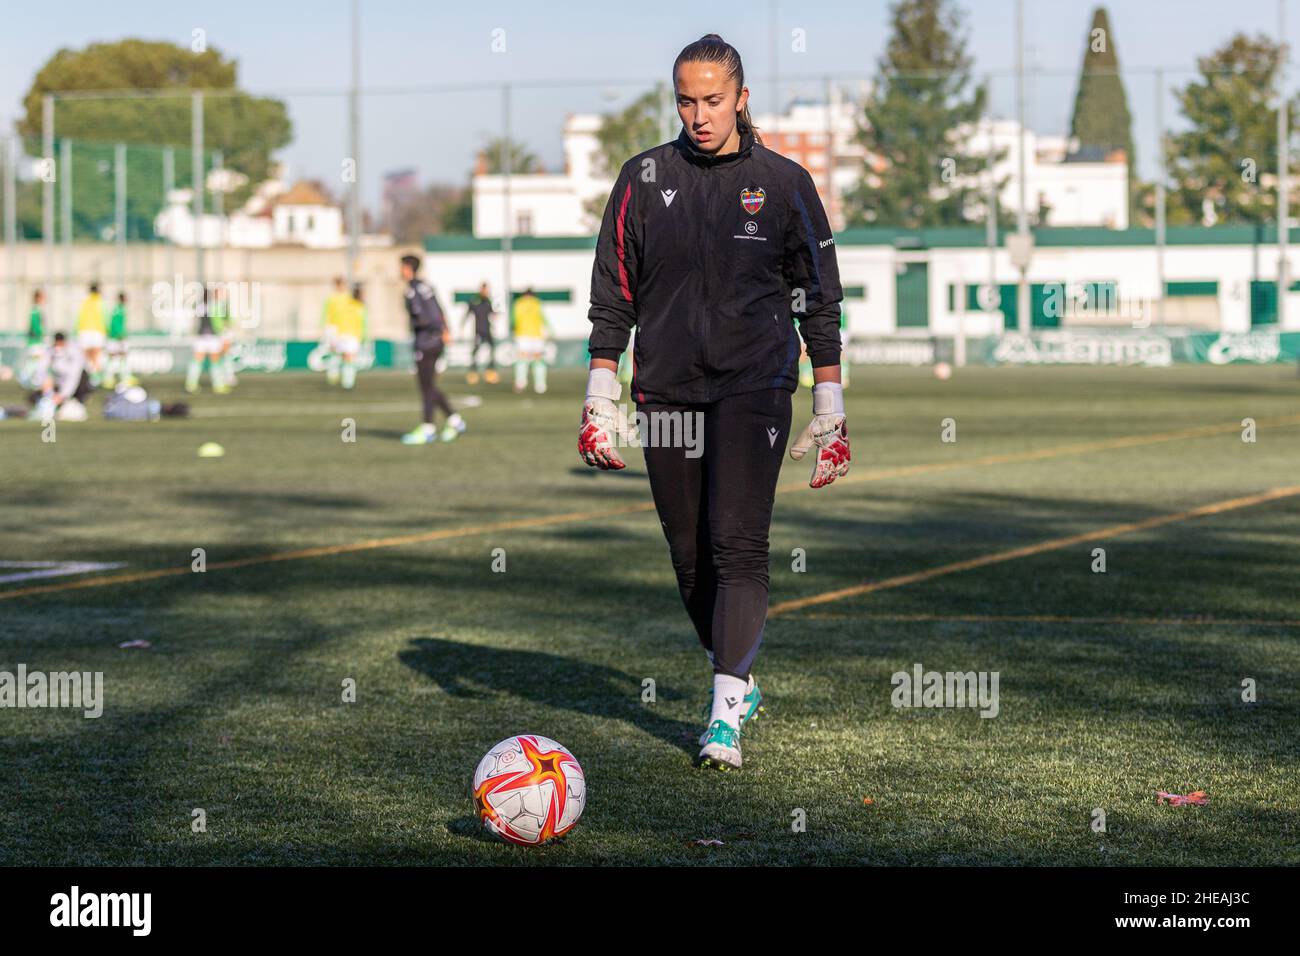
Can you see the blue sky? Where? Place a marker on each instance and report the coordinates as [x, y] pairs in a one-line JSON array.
[[290, 48]]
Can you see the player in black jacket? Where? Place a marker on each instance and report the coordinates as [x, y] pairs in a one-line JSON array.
[[713, 246], [480, 313], [430, 334]]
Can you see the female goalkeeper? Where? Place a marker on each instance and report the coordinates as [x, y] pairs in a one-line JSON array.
[[712, 246]]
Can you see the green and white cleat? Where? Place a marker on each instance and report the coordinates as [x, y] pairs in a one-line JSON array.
[[750, 708], [721, 747], [454, 428], [420, 436]]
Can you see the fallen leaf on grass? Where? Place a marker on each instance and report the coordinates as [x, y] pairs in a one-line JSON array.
[[125, 645], [1197, 797]]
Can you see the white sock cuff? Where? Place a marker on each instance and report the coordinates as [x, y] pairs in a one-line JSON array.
[[726, 687], [603, 383], [828, 398]]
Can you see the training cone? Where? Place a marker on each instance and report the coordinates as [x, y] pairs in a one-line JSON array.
[[211, 449]]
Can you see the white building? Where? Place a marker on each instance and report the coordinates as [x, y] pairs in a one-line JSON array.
[[819, 138], [273, 215], [546, 204], [1075, 193]]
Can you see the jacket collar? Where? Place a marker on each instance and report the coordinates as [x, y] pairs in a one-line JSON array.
[[693, 153]]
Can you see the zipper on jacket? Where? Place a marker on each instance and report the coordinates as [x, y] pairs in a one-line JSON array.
[[706, 323]]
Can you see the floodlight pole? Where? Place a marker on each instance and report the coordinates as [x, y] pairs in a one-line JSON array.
[[506, 245], [354, 148], [119, 211], [991, 231], [1022, 215], [196, 176], [1283, 164], [11, 224], [48, 172], [1160, 197], [169, 186], [65, 196]]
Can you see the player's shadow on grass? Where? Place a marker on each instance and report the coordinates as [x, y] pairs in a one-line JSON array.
[[262, 502], [477, 672]]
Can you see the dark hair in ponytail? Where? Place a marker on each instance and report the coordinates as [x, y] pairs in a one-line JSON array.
[[711, 48]]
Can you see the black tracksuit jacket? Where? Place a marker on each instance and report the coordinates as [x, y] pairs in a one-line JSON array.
[[701, 253], [427, 320]]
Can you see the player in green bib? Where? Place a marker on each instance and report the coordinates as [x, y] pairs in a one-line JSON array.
[[35, 354], [116, 347]]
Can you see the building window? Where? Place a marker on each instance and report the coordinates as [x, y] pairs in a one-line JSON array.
[[524, 224]]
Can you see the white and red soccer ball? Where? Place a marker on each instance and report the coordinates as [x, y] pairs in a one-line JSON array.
[[529, 790]]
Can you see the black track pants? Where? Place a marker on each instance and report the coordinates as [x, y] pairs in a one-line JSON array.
[[483, 337], [716, 510], [426, 376]]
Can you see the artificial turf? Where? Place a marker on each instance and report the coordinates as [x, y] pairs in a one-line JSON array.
[[1112, 685]]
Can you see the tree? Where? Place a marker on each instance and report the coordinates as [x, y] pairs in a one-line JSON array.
[[1101, 122], [430, 212], [521, 160], [453, 207], [624, 134], [916, 118], [1223, 167], [246, 129]]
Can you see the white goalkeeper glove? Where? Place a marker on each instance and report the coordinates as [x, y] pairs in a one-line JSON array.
[[602, 421], [828, 432]]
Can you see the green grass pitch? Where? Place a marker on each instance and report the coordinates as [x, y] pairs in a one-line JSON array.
[[1112, 685]]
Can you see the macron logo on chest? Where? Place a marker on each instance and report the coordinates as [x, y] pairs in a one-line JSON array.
[[669, 195]]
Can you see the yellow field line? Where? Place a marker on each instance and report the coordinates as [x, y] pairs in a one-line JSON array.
[[326, 550], [1055, 544], [1057, 451], [1049, 619], [879, 474]]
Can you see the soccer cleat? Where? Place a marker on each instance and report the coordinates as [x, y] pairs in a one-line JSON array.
[[471, 378], [753, 706], [221, 389], [721, 747], [454, 428], [491, 376], [420, 436]]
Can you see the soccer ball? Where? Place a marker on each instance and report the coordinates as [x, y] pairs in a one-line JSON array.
[[943, 371], [529, 790]]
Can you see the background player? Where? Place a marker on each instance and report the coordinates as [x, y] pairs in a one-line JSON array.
[[62, 384], [225, 329], [349, 333], [207, 346], [531, 331], [480, 312], [29, 371], [334, 303], [430, 332], [116, 365], [90, 332]]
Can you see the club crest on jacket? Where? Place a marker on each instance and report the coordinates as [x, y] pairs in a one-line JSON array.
[[752, 200]]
